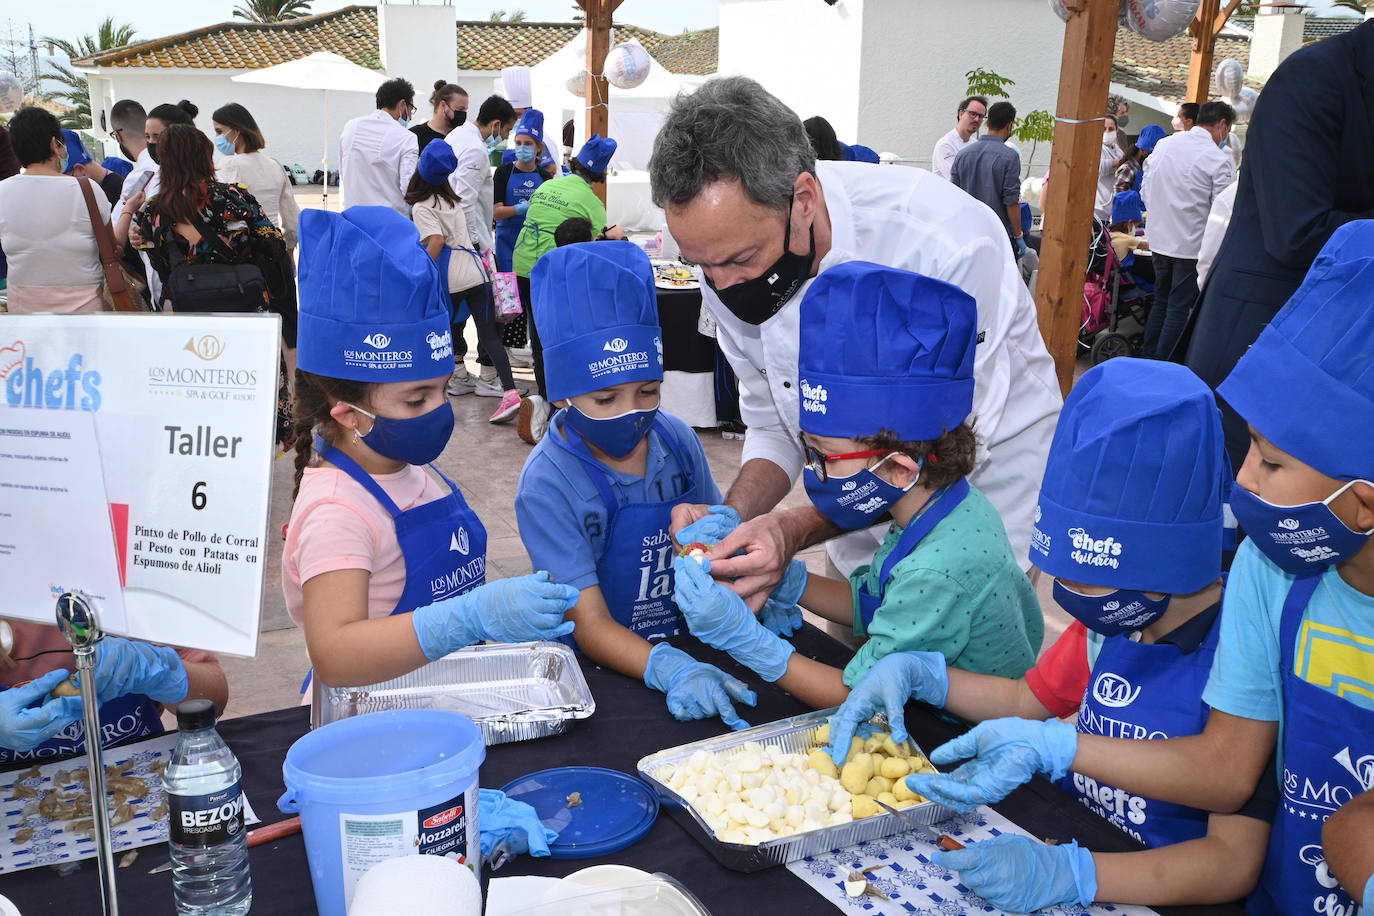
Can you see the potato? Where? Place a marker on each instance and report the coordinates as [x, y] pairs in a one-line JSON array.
[[888, 799], [821, 762], [894, 768], [903, 792], [877, 785], [856, 746], [67, 688], [823, 734], [856, 773], [891, 749], [864, 806]]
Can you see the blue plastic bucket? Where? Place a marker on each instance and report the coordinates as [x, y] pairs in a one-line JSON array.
[[379, 786]]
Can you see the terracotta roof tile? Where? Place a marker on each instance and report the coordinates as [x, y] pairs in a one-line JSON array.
[[352, 33], [1161, 68]]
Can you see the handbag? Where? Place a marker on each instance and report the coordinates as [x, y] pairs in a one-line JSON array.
[[505, 292], [122, 292], [198, 286]]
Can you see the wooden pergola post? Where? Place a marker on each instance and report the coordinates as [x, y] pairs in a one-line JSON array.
[[1070, 194], [1206, 26], [598, 16]]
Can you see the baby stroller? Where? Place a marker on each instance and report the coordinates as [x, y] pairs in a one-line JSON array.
[[1116, 303]]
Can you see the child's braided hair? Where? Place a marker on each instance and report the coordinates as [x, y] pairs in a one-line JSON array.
[[315, 395]]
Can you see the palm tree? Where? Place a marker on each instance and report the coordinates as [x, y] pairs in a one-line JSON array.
[[75, 90], [272, 10], [503, 16], [1359, 6]]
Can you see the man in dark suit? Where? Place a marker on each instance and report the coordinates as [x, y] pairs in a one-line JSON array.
[[1308, 169]]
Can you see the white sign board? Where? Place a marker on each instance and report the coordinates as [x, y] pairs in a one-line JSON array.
[[184, 409]]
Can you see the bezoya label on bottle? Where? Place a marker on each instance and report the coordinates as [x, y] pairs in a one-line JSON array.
[[206, 820]]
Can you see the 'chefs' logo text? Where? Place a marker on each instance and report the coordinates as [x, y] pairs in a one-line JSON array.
[[1091, 551], [814, 397]]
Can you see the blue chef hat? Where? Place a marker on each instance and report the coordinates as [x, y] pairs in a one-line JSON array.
[[596, 153], [1133, 491], [1307, 384], [597, 315], [372, 307], [76, 151], [1150, 135], [883, 348], [531, 124], [437, 161], [1127, 207]]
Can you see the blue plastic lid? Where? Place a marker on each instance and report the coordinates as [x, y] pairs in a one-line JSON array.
[[616, 809]]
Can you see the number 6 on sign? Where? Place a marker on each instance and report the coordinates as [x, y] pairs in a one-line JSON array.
[[198, 495]]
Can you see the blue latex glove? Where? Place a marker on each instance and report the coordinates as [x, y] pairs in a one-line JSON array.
[[512, 824], [711, 528], [781, 619], [1017, 874], [519, 609], [123, 667], [887, 686], [29, 716], [1018, 246], [1005, 752], [521, 207], [695, 689], [721, 619]]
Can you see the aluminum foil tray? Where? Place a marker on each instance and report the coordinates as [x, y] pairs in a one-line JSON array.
[[513, 691], [796, 735]]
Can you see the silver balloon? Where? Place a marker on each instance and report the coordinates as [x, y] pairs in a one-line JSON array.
[[11, 92], [1060, 9], [1229, 78], [1159, 20], [627, 65], [577, 83]]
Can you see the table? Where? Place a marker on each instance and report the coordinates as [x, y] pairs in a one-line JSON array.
[[631, 722], [689, 358]]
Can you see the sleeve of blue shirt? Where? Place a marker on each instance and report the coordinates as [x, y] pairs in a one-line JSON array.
[[556, 525], [1245, 679], [1011, 178]]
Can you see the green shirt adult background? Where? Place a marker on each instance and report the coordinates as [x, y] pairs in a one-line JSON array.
[[553, 202]]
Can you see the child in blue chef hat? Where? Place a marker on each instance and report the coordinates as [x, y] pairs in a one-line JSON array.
[[385, 565], [1295, 659], [1130, 523], [597, 493], [886, 378]]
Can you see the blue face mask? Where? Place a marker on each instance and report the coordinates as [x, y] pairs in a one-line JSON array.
[[1113, 614], [524, 154], [616, 436], [224, 144], [417, 440], [63, 164], [857, 501], [493, 141], [1300, 540]]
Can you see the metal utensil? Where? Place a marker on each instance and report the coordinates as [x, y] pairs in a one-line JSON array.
[[942, 840]]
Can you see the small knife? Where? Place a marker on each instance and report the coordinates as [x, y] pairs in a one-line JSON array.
[[942, 840]]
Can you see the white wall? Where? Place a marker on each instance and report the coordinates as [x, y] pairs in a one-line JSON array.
[[890, 73]]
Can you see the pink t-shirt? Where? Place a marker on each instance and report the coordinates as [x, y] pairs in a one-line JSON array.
[[336, 524]]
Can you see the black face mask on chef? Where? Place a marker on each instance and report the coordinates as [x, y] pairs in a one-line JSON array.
[[152, 152], [458, 118], [755, 301]]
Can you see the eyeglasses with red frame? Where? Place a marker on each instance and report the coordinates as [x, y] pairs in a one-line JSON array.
[[816, 459]]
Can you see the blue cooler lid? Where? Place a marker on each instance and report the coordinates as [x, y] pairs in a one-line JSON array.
[[616, 810]]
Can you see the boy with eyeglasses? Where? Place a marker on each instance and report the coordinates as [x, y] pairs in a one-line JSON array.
[[886, 378]]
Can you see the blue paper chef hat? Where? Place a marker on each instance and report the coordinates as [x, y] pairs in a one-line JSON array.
[[1137, 473], [596, 153], [116, 164], [1150, 135], [531, 124], [597, 315], [76, 151], [372, 307], [437, 161], [1307, 384], [883, 348], [1127, 207]]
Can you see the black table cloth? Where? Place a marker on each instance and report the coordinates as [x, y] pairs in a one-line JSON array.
[[631, 721], [684, 349]]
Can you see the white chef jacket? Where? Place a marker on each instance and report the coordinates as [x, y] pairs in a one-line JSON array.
[[1218, 221], [906, 218], [472, 182], [1106, 181], [1182, 177], [946, 148], [377, 159]]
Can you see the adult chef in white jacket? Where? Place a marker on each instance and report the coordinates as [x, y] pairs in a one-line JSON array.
[[377, 153], [472, 178], [747, 201]]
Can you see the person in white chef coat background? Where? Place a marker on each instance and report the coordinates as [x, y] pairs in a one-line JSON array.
[[472, 179], [377, 152], [748, 202]]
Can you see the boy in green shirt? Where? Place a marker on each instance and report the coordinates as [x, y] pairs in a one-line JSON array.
[[886, 378]]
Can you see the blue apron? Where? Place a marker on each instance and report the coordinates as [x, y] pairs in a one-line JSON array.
[[1145, 691], [519, 186], [123, 718], [635, 570], [1328, 757], [946, 501]]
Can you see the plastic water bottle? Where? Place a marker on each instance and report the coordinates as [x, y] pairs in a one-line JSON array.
[[206, 833]]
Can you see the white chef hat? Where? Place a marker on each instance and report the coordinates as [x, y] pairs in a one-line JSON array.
[[516, 81]]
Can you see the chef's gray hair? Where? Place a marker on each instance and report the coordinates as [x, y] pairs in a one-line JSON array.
[[730, 129]]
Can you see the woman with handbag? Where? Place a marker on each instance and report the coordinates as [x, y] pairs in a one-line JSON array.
[[46, 228]]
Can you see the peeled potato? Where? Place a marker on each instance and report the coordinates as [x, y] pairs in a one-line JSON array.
[[888, 799], [903, 792], [67, 688], [894, 768], [890, 748], [856, 746], [856, 773], [877, 785], [864, 806], [822, 763], [823, 734]]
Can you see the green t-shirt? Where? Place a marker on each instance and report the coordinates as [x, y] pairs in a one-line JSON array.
[[960, 592], [554, 201]]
